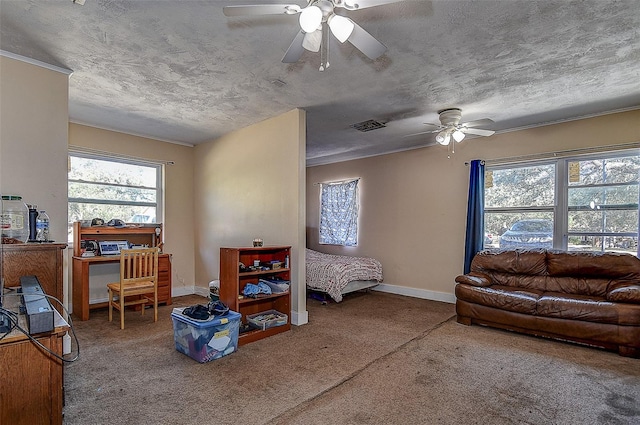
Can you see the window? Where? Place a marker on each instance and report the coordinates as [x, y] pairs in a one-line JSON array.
[[339, 213], [586, 203], [107, 188]]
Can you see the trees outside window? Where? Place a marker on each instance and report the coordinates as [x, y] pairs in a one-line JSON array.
[[586, 203], [108, 188]]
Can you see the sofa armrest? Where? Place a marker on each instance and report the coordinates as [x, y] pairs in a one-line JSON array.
[[624, 292], [474, 279]]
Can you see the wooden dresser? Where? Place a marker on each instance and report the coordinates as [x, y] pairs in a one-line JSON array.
[[43, 260], [32, 381]]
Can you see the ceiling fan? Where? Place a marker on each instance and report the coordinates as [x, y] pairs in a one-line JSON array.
[[450, 127], [318, 19]]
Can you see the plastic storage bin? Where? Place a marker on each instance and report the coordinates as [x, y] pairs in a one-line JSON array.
[[208, 340], [267, 319]]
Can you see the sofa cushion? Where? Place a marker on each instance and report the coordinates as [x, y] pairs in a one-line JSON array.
[[610, 265], [518, 262], [579, 285], [502, 297], [587, 308]]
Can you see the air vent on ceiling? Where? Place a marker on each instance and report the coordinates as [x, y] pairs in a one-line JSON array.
[[368, 125]]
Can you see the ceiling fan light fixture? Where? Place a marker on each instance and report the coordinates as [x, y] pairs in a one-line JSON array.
[[310, 18], [458, 135], [341, 27], [443, 138]]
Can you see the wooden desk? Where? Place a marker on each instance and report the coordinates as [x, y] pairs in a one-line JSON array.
[[32, 384], [81, 266]]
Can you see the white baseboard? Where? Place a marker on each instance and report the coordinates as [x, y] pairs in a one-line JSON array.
[[416, 293], [189, 290]]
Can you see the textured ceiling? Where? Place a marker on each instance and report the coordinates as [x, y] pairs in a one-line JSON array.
[[181, 71]]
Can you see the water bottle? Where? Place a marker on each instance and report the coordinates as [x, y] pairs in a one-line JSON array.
[[42, 227], [14, 219]]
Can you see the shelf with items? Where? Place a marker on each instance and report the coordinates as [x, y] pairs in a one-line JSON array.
[[135, 234], [233, 283]]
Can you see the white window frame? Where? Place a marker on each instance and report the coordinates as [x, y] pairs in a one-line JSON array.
[[123, 160], [560, 207]]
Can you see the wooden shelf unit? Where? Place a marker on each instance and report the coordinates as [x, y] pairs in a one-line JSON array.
[[140, 235], [232, 284]]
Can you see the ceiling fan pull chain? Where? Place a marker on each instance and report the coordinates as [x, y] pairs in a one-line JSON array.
[[324, 47]]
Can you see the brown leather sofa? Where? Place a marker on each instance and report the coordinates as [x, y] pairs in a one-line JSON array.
[[585, 297]]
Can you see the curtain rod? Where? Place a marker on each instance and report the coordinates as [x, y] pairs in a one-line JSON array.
[[561, 154], [338, 181]]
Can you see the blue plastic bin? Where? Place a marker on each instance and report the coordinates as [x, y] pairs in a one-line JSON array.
[[208, 340]]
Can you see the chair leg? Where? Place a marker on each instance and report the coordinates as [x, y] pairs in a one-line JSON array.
[[110, 305], [121, 311], [155, 308]]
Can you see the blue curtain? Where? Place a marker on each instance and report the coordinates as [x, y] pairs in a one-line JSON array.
[[475, 214]]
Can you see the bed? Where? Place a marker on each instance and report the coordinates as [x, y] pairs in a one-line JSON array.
[[337, 275]]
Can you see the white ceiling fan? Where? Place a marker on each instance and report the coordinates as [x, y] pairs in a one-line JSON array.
[[317, 19], [450, 127]]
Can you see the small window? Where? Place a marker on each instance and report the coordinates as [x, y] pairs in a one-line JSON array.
[[339, 213]]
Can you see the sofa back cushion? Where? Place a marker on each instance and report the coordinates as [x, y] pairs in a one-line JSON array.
[[584, 273], [526, 262], [519, 268], [605, 265]]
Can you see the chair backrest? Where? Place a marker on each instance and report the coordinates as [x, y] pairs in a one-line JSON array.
[[139, 265]]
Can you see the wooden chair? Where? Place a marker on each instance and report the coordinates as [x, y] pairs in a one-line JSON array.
[[138, 279]]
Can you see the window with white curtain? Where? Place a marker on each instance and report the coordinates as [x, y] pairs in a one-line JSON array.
[[339, 213]]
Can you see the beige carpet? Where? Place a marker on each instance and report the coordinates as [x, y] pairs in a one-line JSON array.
[[375, 358]]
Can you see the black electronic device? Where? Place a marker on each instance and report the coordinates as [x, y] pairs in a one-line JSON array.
[[40, 316], [89, 247]]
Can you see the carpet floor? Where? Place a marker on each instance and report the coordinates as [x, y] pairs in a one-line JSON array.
[[374, 358]]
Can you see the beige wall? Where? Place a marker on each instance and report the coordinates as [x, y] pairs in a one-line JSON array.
[[250, 184], [178, 195], [413, 203], [34, 120]]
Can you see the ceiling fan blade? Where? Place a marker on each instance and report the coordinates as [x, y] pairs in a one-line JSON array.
[[366, 43], [261, 9], [313, 40], [362, 4], [423, 132], [477, 131], [478, 123], [435, 126], [295, 50]]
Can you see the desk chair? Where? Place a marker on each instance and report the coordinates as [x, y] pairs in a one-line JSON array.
[[138, 278]]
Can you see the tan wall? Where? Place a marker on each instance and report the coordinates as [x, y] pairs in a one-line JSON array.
[[413, 203], [34, 120], [178, 195], [250, 184]]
